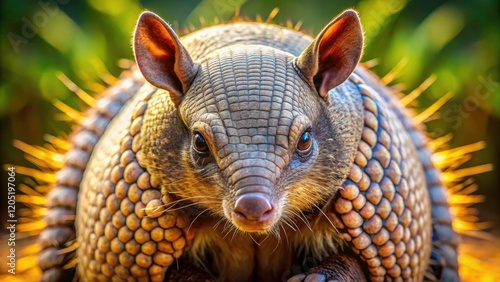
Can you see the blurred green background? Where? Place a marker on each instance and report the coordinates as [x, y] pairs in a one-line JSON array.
[[457, 41]]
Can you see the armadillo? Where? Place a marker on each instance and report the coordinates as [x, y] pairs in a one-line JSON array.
[[247, 151]]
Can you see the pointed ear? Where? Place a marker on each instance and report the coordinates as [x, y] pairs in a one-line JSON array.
[[162, 59], [334, 54]]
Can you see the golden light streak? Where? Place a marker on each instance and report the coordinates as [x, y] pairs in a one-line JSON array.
[[36, 161], [272, 15], [126, 64], [53, 159], [25, 263], [103, 73], [25, 189], [91, 84], [395, 72], [31, 226], [45, 177], [466, 199], [462, 150], [74, 115], [59, 143], [370, 64], [84, 96], [457, 175], [440, 142], [432, 109], [31, 249], [474, 269], [28, 215], [406, 100], [36, 200], [297, 26], [236, 15]]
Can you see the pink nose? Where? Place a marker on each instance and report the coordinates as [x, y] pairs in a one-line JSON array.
[[253, 207]]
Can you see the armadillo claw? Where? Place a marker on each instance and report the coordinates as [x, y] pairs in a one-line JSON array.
[[297, 278], [340, 267], [315, 277]]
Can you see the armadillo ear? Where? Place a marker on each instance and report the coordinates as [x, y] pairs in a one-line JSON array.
[[162, 59], [333, 55]]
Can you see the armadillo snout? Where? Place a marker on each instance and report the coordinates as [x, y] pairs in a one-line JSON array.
[[253, 212]]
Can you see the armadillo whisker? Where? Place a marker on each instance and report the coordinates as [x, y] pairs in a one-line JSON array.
[[192, 222]]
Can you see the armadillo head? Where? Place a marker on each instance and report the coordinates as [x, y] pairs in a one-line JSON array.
[[259, 142]]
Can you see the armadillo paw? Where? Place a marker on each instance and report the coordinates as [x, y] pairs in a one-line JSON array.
[[313, 277], [337, 268]]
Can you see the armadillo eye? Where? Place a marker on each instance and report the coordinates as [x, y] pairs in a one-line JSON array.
[[304, 144], [199, 143]]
